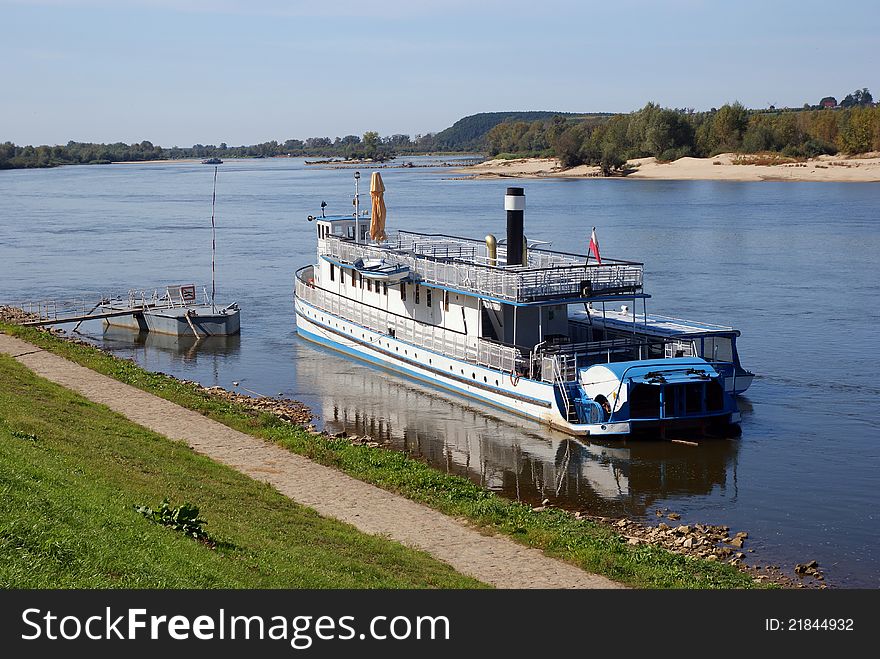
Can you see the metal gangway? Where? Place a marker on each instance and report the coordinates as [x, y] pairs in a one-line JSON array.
[[79, 310]]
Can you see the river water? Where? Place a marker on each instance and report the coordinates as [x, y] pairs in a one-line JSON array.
[[793, 265]]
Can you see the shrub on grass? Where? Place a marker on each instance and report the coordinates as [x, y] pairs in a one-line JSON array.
[[184, 519]]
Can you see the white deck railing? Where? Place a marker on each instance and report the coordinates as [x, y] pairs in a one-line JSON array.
[[553, 364], [430, 337], [459, 263]]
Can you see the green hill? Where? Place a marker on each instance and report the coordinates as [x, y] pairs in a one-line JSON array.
[[469, 133]]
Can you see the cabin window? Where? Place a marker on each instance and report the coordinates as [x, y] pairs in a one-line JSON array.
[[361, 280], [352, 278], [403, 291], [428, 297], [385, 288], [714, 396], [644, 402], [693, 398], [332, 272], [551, 314], [369, 285], [417, 293], [718, 349], [445, 300]]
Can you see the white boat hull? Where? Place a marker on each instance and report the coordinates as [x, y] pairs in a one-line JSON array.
[[738, 385], [525, 397]]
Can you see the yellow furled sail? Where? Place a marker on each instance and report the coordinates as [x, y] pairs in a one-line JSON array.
[[377, 192]]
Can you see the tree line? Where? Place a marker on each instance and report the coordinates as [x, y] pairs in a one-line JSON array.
[[369, 146], [669, 134], [606, 140]]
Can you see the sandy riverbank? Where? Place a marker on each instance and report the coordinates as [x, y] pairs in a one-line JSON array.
[[723, 167]]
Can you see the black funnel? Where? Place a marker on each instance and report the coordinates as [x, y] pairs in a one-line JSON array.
[[515, 205]]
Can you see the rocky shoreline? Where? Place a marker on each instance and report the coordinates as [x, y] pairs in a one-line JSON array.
[[703, 541]]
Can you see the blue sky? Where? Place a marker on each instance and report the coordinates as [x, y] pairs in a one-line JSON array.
[[179, 72]]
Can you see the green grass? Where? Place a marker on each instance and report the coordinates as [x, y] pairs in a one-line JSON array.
[[71, 472], [582, 542]]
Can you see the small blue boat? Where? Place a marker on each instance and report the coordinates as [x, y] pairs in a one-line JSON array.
[[381, 270]]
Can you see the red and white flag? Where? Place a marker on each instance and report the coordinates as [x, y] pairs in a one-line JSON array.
[[594, 247]]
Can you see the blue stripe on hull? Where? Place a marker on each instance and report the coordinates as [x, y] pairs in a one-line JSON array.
[[399, 368]]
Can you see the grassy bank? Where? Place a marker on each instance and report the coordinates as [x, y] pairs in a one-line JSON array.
[[72, 471], [584, 543]]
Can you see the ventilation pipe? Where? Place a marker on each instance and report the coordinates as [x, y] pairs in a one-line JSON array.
[[492, 249]]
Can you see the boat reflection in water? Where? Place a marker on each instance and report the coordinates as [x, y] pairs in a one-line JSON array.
[[185, 352], [517, 458]]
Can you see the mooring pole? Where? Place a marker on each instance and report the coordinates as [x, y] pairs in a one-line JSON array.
[[357, 201], [213, 243]]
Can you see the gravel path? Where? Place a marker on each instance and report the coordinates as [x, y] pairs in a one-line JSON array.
[[492, 559]]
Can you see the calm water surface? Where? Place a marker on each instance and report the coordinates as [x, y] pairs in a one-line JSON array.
[[793, 265]]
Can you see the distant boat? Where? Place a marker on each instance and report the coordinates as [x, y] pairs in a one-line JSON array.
[[212, 161]]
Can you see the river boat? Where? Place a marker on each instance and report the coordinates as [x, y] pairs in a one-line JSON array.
[[175, 312], [212, 161], [494, 322]]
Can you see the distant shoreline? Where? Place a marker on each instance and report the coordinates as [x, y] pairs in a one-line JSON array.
[[154, 161], [863, 168]]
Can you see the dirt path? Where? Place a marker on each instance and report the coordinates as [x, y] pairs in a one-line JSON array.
[[490, 558]]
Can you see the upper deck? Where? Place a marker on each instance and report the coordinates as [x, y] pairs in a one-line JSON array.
[[655, 324], [463, 265]]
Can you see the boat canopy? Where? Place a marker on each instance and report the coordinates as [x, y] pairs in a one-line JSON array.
[[656, 325], [645, 368]]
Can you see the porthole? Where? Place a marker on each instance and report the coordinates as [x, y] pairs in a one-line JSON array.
[[484, 379], [496, 383], [430, 362], [473, 376]]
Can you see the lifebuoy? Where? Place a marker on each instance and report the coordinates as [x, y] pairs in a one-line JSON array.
[[514, 378]]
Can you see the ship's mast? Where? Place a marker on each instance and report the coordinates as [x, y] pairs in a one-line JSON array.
[[357, 214], [213, 243]]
